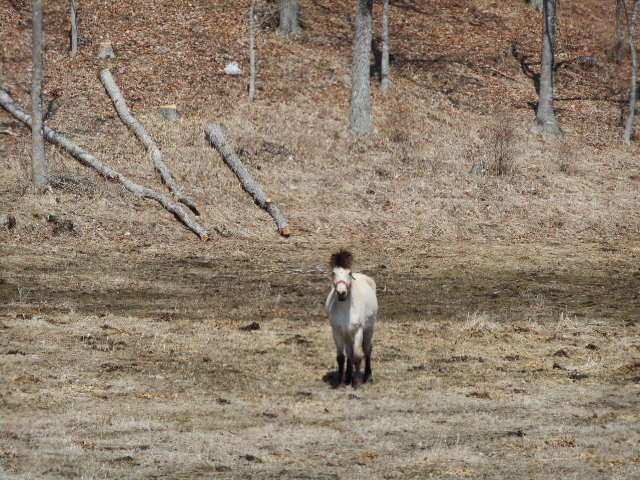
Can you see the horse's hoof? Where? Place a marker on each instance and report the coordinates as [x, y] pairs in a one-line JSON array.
[[357, 382]]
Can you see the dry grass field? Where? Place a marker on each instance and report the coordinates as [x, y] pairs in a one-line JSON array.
[[508, 343]]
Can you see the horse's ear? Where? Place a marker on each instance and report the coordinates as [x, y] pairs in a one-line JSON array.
[[351, 276]]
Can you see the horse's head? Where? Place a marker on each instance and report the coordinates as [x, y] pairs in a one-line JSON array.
[[342, 277]]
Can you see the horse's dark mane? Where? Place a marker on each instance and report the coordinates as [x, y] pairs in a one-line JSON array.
[[342, 259]]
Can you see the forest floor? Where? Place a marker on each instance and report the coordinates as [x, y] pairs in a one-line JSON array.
[[508, 343]]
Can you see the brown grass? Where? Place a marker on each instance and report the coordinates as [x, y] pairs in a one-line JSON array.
[[143, 370], [508, 340]]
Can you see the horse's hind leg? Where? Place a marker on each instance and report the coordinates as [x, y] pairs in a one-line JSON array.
[[367, 346], [357, 378]]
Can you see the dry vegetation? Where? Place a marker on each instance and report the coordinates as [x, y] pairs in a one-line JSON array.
[[508, 345]]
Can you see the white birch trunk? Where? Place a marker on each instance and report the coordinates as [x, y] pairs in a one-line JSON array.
[[74, 27], [38, 154], [289, 23], [633, 87], [545, 121], [536, 4], [360, 121], [384, 64], [252, 51]]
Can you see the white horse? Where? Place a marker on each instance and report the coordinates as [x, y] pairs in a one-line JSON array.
[[352, 307]]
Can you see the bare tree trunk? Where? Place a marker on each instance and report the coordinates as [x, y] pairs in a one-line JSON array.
[[252, 51], [89, 160], [38, 155], [155, 153], [361, 122], [536, 4], [289, 24], [622, 16], [74, 27], [545, 121], [384, 65], [633, 88], [217, 138]]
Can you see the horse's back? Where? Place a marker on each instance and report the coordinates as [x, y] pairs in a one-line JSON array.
[[367, 279], [367, 292]]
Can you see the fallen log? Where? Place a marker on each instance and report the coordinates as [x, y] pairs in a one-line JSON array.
[[216, 136], [110, 174], [155, 153]]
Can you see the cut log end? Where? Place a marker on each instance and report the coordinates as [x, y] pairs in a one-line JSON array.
[[169, 112], [285, 231], [7, 221], [105, 51]]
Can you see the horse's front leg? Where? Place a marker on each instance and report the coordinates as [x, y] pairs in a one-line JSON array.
[[367, 346], [340, 347], [340, 360], [348, 375]]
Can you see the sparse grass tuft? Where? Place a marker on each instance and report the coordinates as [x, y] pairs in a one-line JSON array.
[[566, 156], [478, 322], [75, 183], [500, 147]]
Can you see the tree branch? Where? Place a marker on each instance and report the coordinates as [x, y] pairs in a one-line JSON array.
[[155, 153], [90, 161], [216, 136]]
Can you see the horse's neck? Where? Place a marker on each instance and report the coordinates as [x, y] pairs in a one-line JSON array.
[[343, 306]]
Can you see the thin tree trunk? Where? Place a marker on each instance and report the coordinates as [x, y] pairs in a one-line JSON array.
[[252, 51], [384, 65], [537, 4], [289, 24], [38, 155], [217, 138], [545, 121], [360, 121], [89, 160], [633, 88], [74, 27], [155, 153]]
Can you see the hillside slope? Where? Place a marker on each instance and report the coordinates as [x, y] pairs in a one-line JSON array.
[[457, 90]]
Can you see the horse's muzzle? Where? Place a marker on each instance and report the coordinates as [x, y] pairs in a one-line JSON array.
[[342, 296]]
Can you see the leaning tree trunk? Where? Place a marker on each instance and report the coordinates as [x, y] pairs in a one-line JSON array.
[[545, 121], [154, 152], [289, 23], [361, 122], [74, 27], [633, 88], [90, 161], [218, 140], [252, 51], [384, 64], [38, 156]]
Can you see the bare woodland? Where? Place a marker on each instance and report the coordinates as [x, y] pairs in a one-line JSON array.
[[504, 254]]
